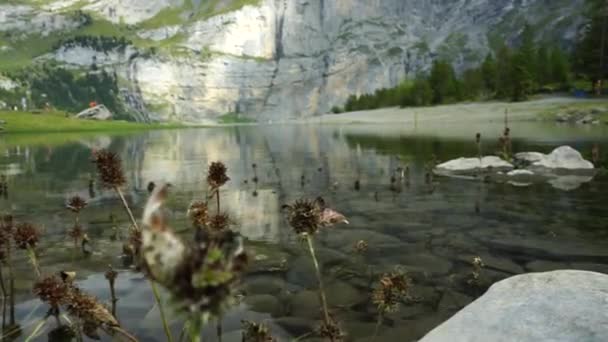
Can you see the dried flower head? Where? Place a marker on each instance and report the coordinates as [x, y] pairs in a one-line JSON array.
[[76, 204], [198, 213], [90, 311], [331, 331], [393, 288], [478, 138], [216, 176], [256, 332], [306, 216], [200, 274], [219, 222], [52, 291], [109, 168], [26, 236], [111, 274], [76, 233], [361, 246]]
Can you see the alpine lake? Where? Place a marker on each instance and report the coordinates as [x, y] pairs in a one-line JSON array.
[[429, 227]]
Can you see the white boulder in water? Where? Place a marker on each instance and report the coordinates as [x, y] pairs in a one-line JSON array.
[[99, 112], [466, 165], [554, 306], [562, 158]]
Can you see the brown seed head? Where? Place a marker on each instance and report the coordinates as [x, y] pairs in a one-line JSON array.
[[256, 332], [478, 138], [216, 176], [304, 216], [88, 309], [26, 236], [198, 213], [361, 246], [109, 168], [76, 232], [219, 222], [392, 289], [76, 204], [331, 331], [111, 274], [52, 291]]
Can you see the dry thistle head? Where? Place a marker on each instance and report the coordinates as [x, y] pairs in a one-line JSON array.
[[109, 168], [216, 176], [256, 332], [331, 331], [76, 204], [26, 236], [88, 309], [361, 246], [52, 291], [393, 288], [219, 222], [111, 274], [198, 212], [76, 232], [306, 216], [478, 138]]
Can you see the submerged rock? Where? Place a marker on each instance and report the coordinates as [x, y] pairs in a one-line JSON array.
[[470, 165], [99, 112], [555, 306]]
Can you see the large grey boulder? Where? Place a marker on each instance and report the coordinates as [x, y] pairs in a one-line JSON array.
[[99, 112], [563, 158], [568, 306]]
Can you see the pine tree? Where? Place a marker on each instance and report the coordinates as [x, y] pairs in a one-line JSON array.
[[489, 73], [443, 82], [591, 57], [544, 71]]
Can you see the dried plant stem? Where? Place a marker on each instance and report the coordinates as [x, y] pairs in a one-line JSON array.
[[112, 330], [34, 260], [217, 196], [3, 287], [161, 310], [152, 284], [319, 279], [11, 284], [219, 329], [114, 299], [378, 324], [126, 206]]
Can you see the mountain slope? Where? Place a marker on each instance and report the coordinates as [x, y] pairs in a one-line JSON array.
[[194, 60]]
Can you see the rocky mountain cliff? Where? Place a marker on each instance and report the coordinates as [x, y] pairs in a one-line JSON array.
[[195, 60]]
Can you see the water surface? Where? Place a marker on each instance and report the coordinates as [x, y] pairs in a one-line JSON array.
[[431, 229]]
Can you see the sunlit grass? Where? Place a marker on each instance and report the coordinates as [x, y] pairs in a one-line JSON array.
[[21, 122]]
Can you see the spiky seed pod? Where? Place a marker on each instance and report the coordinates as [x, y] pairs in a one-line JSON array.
[[256, 332], [393, 288], [26, 236], [219, 222], [76, 204], [76, 232], [89, 309], [361, 246], [109, 168], [198, 212], [52, 291], [331, 331], [304, 216], [216, 176]]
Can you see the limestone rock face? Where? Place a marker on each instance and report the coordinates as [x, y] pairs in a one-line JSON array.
[[275, 60], [555, 306]]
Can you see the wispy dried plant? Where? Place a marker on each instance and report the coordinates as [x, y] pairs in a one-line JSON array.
[[201, 274], [478, 265], [256, 332], [111, 276], [393, 288], [306, 217]]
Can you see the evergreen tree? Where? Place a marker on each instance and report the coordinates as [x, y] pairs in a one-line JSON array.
[[528, 54], [544, 71], [559, 67], [444, 83], [489, 73], [504, 66], [591, 57]]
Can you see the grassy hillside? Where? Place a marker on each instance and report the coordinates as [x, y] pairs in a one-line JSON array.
[[21, 122]]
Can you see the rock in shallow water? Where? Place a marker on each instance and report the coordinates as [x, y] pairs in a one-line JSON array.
[[467, 165], [554, 306], [562, 158]]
